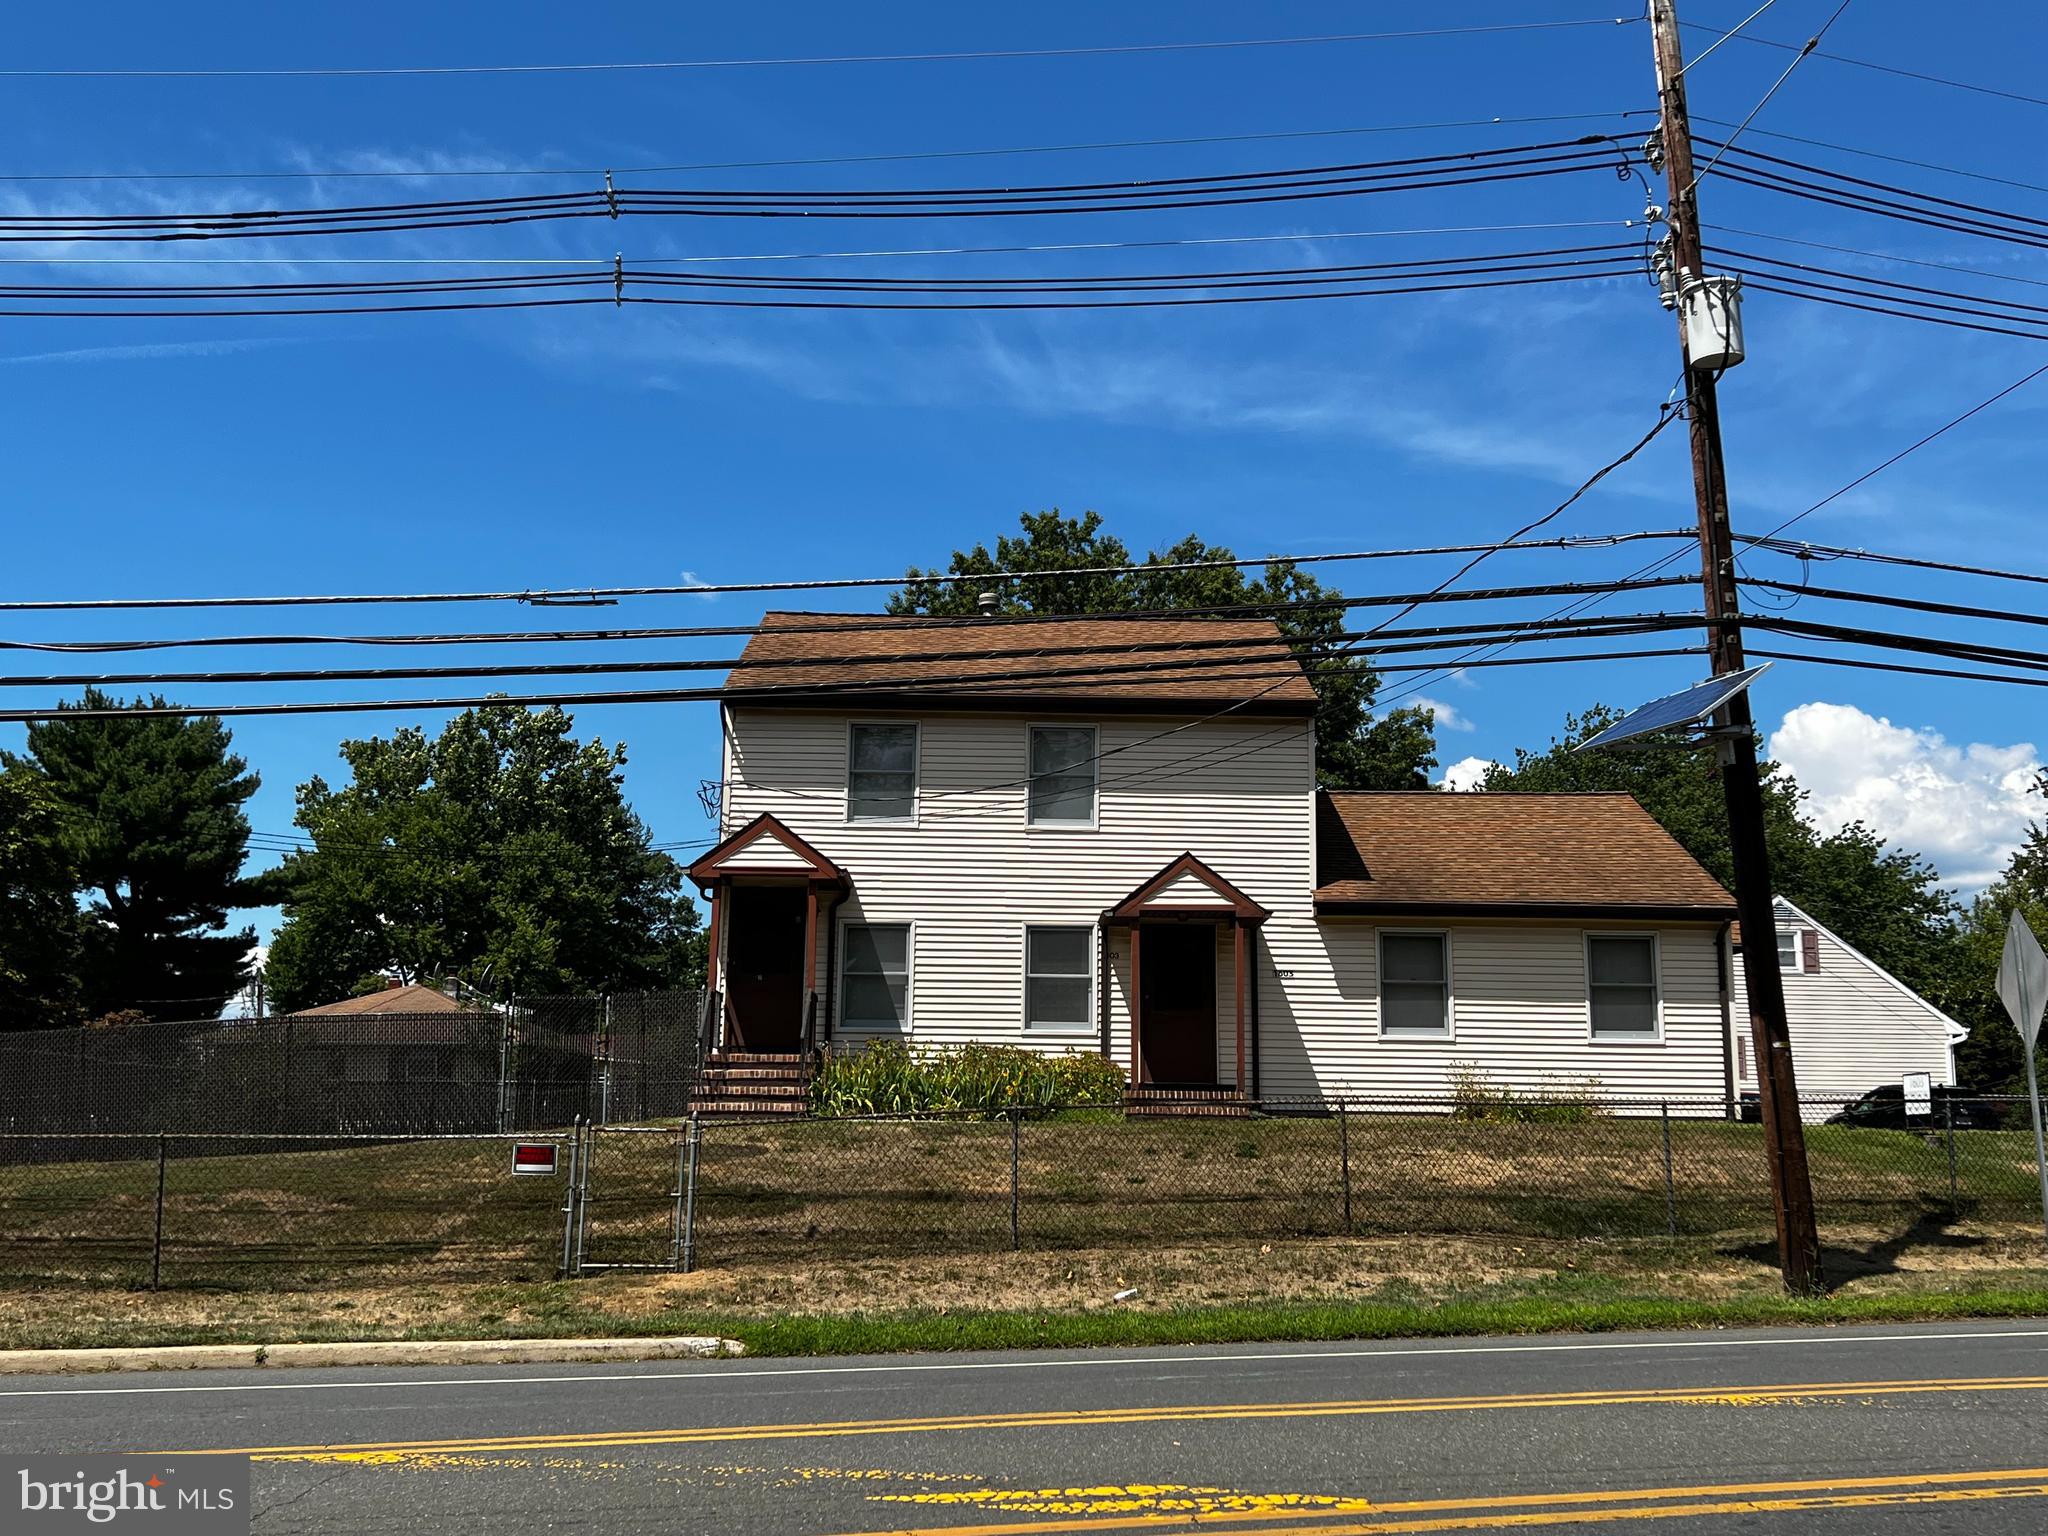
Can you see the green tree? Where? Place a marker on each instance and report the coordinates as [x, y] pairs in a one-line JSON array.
[[1990, 1059], [1354, 750], [501, 852], [39, 918], [153, 821], [1887, 903]]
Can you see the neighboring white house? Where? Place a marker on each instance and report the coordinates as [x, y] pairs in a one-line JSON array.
[[1854, 1025], [1007, 831]]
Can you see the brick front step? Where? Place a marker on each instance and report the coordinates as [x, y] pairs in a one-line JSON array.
[[1143, 1102], [779, 1108], [755, 1059], [757, 1083]]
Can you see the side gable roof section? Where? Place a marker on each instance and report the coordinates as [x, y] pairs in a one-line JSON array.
[[1186, 876], [1429, 852], [800, 857], [1113, 664], [1957, 1033]]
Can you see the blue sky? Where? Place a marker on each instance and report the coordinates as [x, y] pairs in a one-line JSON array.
[[598, 446]]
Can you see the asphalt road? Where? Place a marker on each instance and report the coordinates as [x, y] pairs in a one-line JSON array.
[[1838, 1431]]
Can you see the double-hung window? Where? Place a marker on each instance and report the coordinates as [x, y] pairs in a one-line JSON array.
[[1788, 950], [1062, 776], [1415, 984], [875, 977], [1621, 985], [1058, 977], [881, 773]]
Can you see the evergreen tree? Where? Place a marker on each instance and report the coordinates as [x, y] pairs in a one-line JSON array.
[[501, 852], [39, 919], [153, 822], [1354, 750]]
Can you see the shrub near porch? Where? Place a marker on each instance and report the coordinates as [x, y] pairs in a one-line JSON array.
[[889, 1078]]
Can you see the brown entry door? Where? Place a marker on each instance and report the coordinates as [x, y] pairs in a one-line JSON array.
[[1177, 1025], [764, 967]]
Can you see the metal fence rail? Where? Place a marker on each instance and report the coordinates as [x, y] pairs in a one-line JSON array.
[[260, 1209], [540, 1062]]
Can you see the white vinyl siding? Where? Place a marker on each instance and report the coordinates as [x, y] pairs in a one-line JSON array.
[[1852, 1027], [1059, 972], [1621, 986], [881, 771], [875, 976], [1415, 984], [1238, 793], [1063, 778]]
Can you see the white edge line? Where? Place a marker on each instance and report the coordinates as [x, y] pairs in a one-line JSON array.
[[714, 1373]]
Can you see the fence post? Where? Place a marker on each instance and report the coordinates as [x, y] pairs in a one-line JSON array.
[[583, 1191], [1016, 1181], [284, 1087], [505, 1071], [569, 1193], [604, 1051], [1344, 1156], [1948, 1119], [690, 1197], [156, 1246], [1670, 1188]]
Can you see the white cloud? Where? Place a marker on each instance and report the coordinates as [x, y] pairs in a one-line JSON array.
[[1448, 716], [1466, 773], [1963, 807], [119, 354]]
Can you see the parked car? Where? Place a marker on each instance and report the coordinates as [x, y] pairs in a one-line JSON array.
[[1884, 1109]]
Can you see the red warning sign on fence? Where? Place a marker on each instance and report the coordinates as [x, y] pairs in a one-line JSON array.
[[533, 1157]]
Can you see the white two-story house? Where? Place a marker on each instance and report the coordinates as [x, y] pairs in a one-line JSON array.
[[1106, 835]]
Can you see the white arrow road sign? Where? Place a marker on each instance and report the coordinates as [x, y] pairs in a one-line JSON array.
[[2023, 988]]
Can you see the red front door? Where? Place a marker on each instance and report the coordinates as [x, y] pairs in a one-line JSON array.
[[1177, 1002], [764, 967]]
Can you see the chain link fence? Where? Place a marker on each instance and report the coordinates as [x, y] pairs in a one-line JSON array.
[[274, 1209], [541, 1062]]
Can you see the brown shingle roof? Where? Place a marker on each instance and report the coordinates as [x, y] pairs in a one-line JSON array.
[[409, 999], [1211, 662], [1529, 855]]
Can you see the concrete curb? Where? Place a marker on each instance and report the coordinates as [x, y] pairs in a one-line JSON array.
[[215, 1357]]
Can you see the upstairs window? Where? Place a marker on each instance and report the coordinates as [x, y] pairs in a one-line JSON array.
[[1415, 984], [1790, 951], [1062, 776], [881, 773], [1621, 985]]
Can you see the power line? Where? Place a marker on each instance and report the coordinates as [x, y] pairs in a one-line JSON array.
[[1906, 452], [421, 173], [1271, 649], [1900, 667], [1867, 154], [1799, 58], [1759, 283], [630, 66], [848, 623], [697, 695], [1825, 552], [1910, 261], [1887, 69], [583, 595], [1285, 185], [1888, 600]]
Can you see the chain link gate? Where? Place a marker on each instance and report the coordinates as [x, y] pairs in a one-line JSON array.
[[628, 1204]]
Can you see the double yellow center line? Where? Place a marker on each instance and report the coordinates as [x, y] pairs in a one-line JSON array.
[[399, 1450]]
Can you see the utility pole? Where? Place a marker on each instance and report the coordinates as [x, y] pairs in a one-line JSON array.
[[1735, 730]]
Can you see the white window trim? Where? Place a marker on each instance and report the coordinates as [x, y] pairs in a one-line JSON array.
[[839, 1019], [1796, 966], [1450, 1029], [1656, 1037], [1094, 821], [846, 815], [1088, 1024]]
